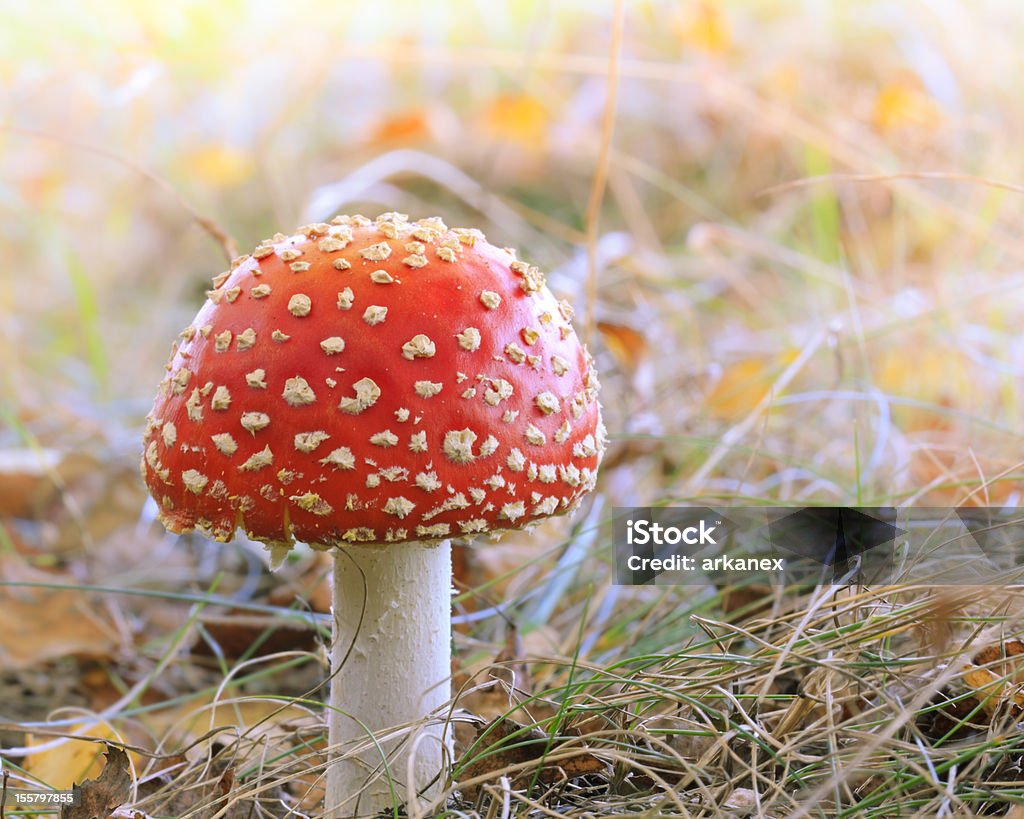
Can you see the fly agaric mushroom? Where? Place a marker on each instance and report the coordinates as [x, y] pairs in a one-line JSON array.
[[375, 388]]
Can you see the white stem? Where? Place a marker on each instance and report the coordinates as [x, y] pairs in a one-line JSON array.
[[397, 671]]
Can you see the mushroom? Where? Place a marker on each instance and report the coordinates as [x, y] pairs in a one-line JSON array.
[[375, 388]]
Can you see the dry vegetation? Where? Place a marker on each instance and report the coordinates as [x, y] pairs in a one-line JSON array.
[[801, 280]]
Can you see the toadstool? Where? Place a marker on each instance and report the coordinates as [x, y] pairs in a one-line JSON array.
[[375, 388]]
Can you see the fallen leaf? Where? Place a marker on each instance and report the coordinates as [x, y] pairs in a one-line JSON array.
[[627, 345], [504, 744], [30, 479], [743, 385], [996, 679], [499, 689], [928, 373], [743, 801], [220, 165], [702, 25], [188, 721], [904, 103], [239, 633], [519, 118], [102, 795], [509, 666], [752, 600], [52, 623], [405, 127], [73, 760], [265, 719], [207, 799]]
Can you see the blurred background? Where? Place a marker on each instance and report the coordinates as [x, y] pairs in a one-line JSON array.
[[791, 231], [877, 320]]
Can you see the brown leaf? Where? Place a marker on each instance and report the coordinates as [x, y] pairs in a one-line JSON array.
[[995, 678], [241, 633], [311, 588], [507, 744], [753, 600], [502, 688], [509, 666], [52, 623], [30, 479], [102, 795], [994, 653], [628, 346], [209, 798], [743, 801]]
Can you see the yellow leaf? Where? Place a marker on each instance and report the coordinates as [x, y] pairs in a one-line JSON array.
[[519, 118], [72, 761], [995, 676], [784, 82], [743, 385], [220, 165], [187, 721], [703, 25], [921, 371], [902, 103]]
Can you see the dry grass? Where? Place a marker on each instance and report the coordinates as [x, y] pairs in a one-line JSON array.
[[793, 230]]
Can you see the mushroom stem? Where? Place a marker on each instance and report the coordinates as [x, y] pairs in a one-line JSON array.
[[392, 666]]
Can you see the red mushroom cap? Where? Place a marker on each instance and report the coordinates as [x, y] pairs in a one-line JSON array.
[[374, 382]]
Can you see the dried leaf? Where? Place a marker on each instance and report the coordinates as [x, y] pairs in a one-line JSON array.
[[509, 666], [208, 799], [904, 103], [743, 385], [702, 25], [52, 623], [220, 165], [406, 127], [518, 118], [190, 720], [240, 633], [501, 688], [996, 679], [30, 479], [71, 761], [753, 600], [627, 345], [929, 373], [102, 795], [743, 801], [507, 743]]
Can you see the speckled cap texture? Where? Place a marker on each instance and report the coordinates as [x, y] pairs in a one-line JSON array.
[[374, 382]]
